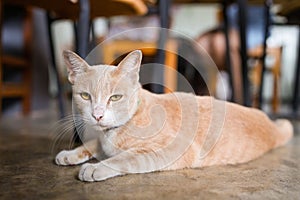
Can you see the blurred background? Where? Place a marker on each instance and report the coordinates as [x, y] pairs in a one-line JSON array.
[[243, 51], [258, 68]]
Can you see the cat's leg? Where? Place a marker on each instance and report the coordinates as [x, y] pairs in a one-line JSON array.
[[79, 155], [121, 164]]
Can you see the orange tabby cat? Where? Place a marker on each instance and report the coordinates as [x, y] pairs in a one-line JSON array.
[[142, 132]]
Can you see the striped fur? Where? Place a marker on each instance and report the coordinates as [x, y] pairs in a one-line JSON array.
[[144, 132]]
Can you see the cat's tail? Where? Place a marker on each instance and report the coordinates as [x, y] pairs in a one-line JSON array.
[[286, 131]]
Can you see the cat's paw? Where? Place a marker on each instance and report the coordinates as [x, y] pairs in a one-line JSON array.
[[96, 172], [86, 172], [69, 158]]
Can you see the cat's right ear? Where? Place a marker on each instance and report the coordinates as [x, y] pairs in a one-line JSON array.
[[75, 65], [130, 65]]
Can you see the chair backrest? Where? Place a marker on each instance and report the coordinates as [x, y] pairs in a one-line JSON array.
[[13, 30]]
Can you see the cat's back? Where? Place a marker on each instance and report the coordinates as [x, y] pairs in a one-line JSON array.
[[185, 100], [201, 106], [182, 104]]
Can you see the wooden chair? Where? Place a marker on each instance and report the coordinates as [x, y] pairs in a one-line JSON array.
[[18, 57], [116, 48], [274, 69]]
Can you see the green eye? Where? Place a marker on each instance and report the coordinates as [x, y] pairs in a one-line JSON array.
[[116, 97], [85, 96]]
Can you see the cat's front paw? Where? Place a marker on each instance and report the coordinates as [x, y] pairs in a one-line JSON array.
[[96, 172], [69, 158], [86, 172]]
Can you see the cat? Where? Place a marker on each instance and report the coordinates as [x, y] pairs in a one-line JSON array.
[[140, 132]]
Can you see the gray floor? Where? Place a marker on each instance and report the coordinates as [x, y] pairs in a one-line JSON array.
[[28, 172]]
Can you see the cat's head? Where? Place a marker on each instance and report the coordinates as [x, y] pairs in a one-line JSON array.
[[106, 96]]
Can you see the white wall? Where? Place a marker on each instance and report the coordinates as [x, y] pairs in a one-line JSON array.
[[194, 19], [287, 37]]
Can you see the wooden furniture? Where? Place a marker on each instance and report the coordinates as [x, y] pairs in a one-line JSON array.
[[274, 69], [20, 63], [81, 11], [70, 9], [116, 48]]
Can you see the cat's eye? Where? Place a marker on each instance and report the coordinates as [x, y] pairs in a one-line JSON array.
[[115, 97], [85, 96]]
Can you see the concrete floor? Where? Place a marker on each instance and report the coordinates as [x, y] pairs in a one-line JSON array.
[[28, 172]]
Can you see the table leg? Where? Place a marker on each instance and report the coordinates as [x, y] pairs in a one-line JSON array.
[[297, 79], [158, 72], [60, 95], [83, 28], [242, 4], [227, 52]]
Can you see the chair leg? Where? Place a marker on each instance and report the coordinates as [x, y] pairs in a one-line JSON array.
[[26, 104], [170, 75], [295, 103], [0, 106], [276, 72], [26, 101], [160, 57], [266, 32], [275, 99], [0, 85], [0, 81], [1, 76], [60, 96]]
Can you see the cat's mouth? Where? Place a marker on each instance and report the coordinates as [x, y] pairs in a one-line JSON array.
[[98, 124], [104, 128], [102, 125]]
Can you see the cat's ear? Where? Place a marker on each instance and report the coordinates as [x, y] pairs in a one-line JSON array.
[[131, 63], [75, 65]]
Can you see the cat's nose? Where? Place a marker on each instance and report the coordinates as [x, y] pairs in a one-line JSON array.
[[97, 117], [98, 112]]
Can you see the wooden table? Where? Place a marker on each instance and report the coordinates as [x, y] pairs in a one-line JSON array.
[[85, 10], [70, 9], [81, 11]]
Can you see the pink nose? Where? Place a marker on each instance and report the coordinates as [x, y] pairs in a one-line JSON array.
[[97, 117], [98, 112]]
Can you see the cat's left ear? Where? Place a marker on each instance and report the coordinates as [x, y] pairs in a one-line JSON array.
[[75, 65], [131, 64]]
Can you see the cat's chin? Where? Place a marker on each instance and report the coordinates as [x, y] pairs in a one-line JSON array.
[[101, 127]]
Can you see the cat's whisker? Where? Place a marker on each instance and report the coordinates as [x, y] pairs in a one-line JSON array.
[[60, 137], [79, 132], [64, 128]]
